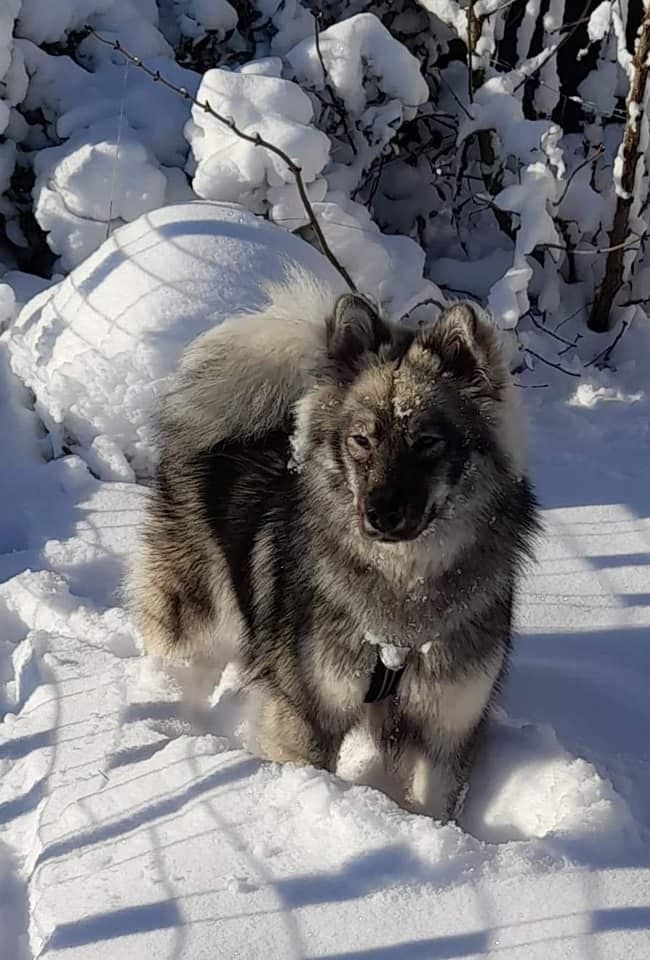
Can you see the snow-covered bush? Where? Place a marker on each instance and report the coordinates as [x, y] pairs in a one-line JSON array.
[[448, 147], [229, 168]]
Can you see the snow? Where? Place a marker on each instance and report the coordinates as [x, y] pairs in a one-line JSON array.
[[599, 21], [292, 22], [134, 822], [83, 185], [357, 52], [508, 298], [49, 22], [122, 140], [133, 819], [202, 15], [129, 309], [229, 168]]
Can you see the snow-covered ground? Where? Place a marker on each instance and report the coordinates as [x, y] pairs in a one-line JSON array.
[[133, 823]]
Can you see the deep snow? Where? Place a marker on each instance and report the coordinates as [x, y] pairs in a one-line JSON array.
[[132, 820]]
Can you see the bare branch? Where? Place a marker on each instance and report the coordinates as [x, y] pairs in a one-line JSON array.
[[375, 186], [575, 313], [589, 105], [486, 14], [605, 354], [549, 363], [254, 138], [600, 149], [567, 26], [551, 333], [556, 49], [422, 303], [591, 253], [454, 95]]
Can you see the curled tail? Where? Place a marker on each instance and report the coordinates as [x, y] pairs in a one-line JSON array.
[[241, 379]]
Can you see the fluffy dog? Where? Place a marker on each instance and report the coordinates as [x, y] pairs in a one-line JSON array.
[[341, 506]]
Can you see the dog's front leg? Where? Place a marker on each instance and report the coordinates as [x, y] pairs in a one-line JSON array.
[[287, 735], [432, 785]]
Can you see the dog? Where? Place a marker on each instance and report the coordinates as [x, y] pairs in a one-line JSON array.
[[342, 507]]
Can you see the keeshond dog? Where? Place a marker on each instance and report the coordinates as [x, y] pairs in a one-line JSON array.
[[341, 506]]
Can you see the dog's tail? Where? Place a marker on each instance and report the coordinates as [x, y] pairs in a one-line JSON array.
[[241, 379]]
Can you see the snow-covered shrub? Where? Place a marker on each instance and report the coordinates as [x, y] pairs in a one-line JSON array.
[[468, 144], [333, 107], [260, 102], [75, 197], [366, 84]]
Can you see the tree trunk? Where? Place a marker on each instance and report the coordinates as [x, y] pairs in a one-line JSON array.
[[599, 320]]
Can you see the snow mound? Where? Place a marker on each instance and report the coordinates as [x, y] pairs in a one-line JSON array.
[[128, 311], [527, 785]]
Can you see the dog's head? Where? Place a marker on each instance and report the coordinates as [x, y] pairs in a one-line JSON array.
[[406, 424]]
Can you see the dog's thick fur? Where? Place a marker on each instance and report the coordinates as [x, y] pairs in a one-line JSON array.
[[327, 485]]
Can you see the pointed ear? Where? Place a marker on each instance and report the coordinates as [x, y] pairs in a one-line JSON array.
[[354, 329], [467, 346]]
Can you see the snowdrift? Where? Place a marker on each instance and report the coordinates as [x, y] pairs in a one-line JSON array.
[[127, 312]]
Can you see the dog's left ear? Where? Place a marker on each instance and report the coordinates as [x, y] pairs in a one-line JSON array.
[[353, 330], [467, 346]]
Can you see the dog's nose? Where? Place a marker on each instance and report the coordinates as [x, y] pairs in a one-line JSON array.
[[382, 519]]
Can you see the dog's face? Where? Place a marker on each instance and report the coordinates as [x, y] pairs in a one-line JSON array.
[[407, 418]]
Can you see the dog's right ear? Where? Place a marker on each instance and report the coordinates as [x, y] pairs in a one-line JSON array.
[[353, 330]]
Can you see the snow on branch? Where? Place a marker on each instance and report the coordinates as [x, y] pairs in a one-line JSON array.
[[254, 138], [627, 168]]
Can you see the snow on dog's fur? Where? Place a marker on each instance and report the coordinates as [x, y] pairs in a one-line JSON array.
[[329, 484]]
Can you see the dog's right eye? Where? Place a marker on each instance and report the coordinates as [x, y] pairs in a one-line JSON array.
[[360, 440]]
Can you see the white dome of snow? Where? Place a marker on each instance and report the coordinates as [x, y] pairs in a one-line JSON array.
[[97, 347]]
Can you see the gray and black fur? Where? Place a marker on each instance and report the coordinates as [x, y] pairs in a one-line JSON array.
[[331, 488]]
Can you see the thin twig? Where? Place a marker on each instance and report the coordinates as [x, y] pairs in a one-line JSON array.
[[600, 149], [590, 105], [422, 303], [556, 49], [635, 303], [454, 95], [567, 26], [254, 138], [605, 354], [550, 333], [490, 13], [118, 144], [590, 253], [375, 186], [549, 363], [575, 313]]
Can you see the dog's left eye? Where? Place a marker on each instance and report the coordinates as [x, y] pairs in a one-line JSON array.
[[428, 443]]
